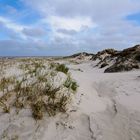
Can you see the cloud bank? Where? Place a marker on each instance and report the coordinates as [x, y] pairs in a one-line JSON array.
[[64, 27]]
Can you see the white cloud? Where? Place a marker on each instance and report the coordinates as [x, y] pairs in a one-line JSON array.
[[97, 9], [16, 28], [9, 24], [70, 23], [67, 27]]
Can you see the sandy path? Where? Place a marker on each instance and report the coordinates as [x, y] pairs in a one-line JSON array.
[[111, 101]]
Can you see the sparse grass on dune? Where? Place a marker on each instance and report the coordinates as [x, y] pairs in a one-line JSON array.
[[36, 89]]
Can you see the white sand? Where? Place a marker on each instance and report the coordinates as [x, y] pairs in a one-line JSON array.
[[106, 107], [111, 101]]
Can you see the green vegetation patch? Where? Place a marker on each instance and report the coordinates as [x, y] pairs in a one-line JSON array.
[[71, 84], [62, 68]]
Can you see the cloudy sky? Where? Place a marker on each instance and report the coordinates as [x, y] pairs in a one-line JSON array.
[[63, 27]]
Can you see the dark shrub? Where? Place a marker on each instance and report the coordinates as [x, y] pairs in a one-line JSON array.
[[103, 65], [137, 57]]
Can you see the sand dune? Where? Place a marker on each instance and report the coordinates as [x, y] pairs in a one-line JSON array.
[[105, 107]]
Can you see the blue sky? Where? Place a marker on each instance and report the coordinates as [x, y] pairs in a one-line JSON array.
[[63, 27]]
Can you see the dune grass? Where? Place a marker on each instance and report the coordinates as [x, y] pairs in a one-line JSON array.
[[62, 68], [71, 84], [34, 89]]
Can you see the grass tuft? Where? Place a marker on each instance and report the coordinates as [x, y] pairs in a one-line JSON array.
[[38, 110], [62, 68], [70, 84]]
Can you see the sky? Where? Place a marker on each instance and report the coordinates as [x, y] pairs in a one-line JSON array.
[[64, 27]]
